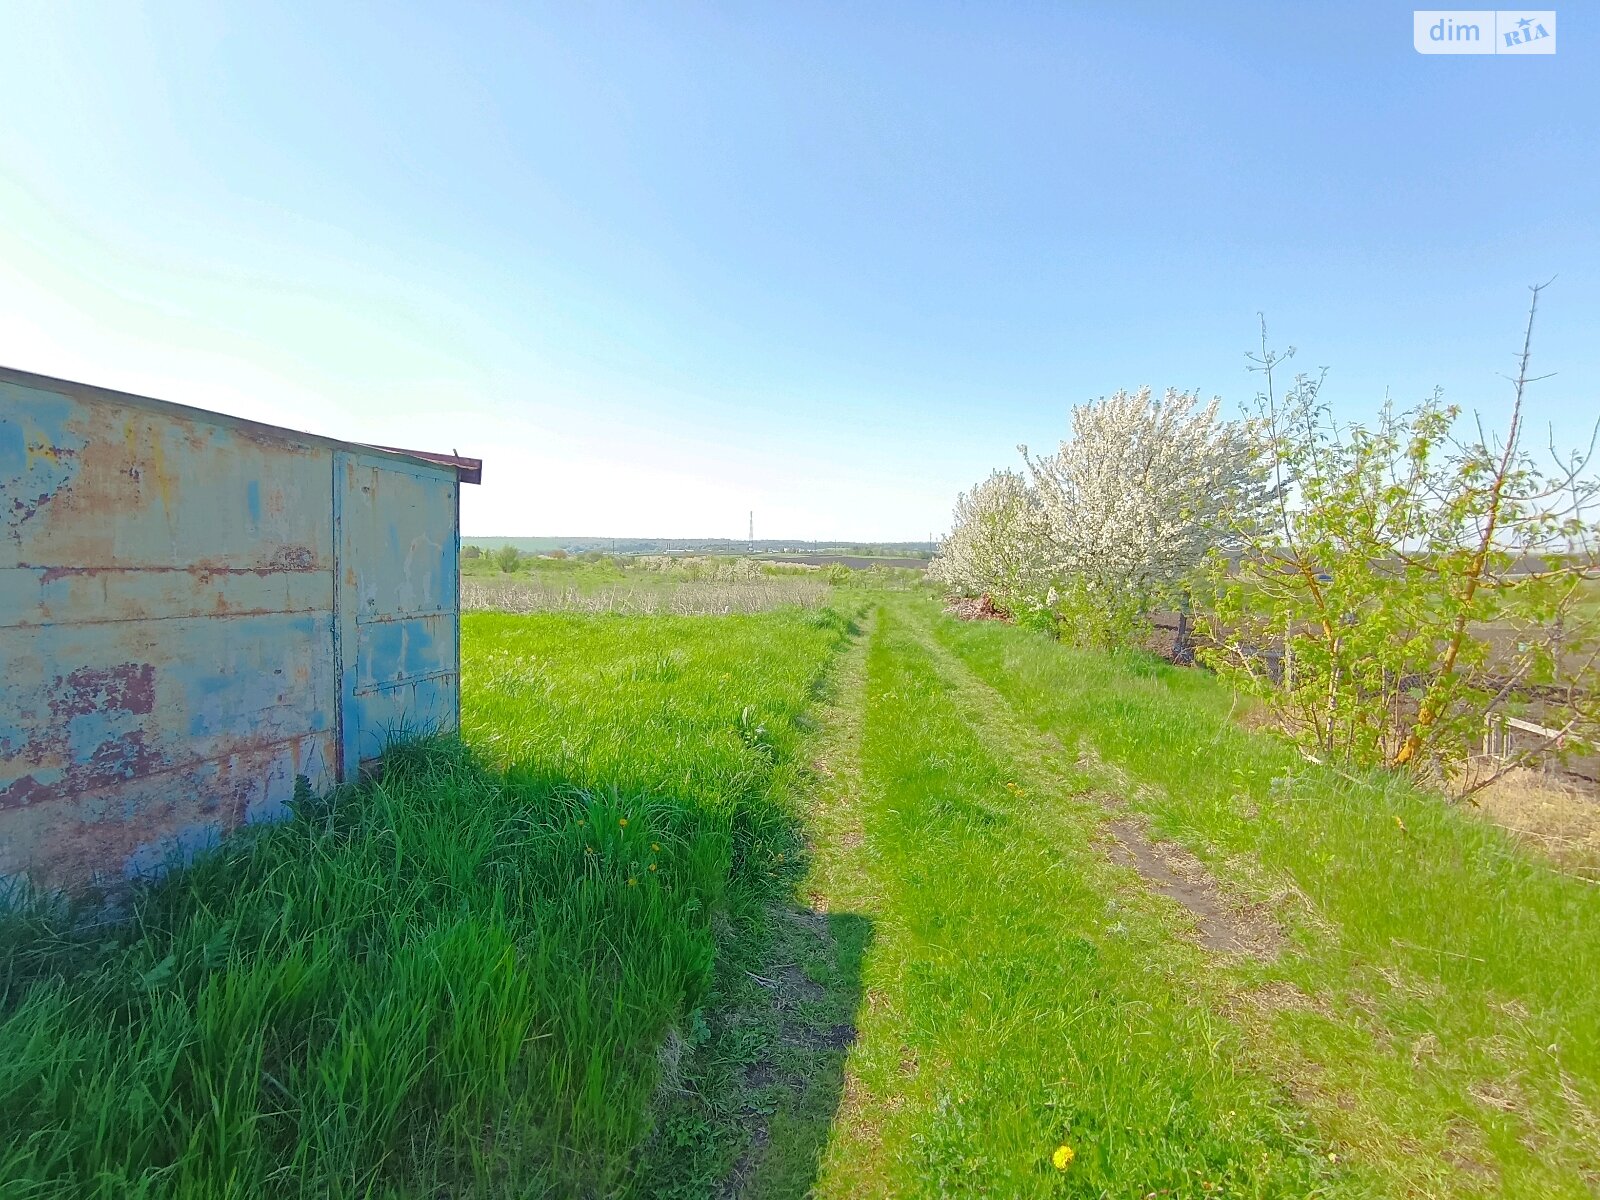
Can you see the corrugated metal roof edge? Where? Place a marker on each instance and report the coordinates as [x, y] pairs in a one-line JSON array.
[[467, 470]]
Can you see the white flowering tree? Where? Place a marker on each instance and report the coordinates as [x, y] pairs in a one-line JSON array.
[[1133, 502], [995, 544]]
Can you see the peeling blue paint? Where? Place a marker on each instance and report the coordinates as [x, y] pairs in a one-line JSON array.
[[449, 566], [13, 450], [89, 733], [205, 689], [13, 736], [38, 453], [401, 651]]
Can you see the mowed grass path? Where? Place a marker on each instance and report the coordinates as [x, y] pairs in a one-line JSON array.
[[1019, 995], [1417, 1017]]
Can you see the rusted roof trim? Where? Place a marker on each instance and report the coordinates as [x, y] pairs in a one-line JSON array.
[[468, 470]]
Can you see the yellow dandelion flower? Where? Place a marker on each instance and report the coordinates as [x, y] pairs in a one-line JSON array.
[[1063, 1157], [622, 821], [655, 846], [652, 866], [632, 882]]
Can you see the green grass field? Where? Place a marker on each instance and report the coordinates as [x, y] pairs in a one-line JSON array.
[[845, 901]]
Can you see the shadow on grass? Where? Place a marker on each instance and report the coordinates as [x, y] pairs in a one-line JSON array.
[[791, 1115], [756, 1079], [511, 982]]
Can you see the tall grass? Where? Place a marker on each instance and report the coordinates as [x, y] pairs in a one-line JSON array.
[[643, 596], [670, 585], [455, 980]]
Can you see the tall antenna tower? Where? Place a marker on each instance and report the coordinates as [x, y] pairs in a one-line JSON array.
[[752, 531]]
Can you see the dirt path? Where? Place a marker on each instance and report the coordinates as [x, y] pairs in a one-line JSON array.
[[796, 1091]]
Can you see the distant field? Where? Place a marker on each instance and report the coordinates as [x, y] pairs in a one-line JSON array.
[[712, 546], [542, 593], [859, 561], [646, 585]]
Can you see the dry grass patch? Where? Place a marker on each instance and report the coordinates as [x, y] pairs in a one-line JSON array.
[[1553, 815]]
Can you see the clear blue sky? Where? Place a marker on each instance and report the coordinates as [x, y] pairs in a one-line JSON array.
[[662, 264]]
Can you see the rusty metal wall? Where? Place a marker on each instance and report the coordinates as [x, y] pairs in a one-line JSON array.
[[195, 610], [398, 627]]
